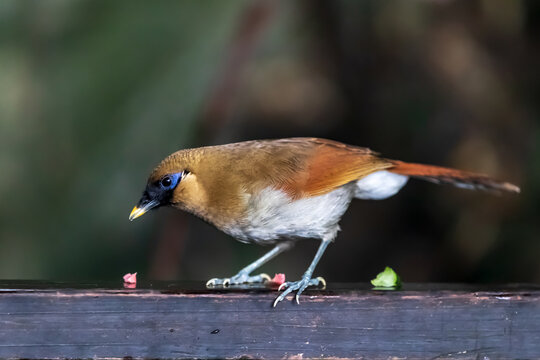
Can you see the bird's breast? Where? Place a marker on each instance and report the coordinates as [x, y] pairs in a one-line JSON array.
[[272, 214]]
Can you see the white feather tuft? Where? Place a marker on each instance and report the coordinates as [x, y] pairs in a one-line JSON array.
[[379, 185]]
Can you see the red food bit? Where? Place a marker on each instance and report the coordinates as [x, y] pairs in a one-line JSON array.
[[278, 279], [130, 278]]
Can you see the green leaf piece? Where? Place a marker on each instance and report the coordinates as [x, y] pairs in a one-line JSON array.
[[388, 279]]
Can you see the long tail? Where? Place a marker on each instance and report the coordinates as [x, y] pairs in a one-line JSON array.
[[461, 179]]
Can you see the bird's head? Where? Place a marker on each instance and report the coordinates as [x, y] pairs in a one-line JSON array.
[[167, 185]]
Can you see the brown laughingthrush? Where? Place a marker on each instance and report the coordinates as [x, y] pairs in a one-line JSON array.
[[278, 191]]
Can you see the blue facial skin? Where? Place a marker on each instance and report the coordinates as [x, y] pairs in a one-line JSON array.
[[160, 192], [169, 182]]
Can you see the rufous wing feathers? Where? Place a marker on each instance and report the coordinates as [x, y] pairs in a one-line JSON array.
[[331, 165]]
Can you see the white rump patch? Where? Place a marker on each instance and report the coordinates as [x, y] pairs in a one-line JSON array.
[[379, 185]]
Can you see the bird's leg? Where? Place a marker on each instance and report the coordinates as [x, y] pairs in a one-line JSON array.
[[306, 280], [243, 276]]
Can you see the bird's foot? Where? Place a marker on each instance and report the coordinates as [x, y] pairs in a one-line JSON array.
[[240, 278], [300, 285]]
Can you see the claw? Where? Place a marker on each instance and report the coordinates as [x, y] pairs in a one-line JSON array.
[[300, 286], [321, 280], [240, 278], [282, 296]]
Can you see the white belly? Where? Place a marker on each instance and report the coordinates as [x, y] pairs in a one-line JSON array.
[[273, 215]]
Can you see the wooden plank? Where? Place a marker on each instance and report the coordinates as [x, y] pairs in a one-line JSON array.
[[173, 320]]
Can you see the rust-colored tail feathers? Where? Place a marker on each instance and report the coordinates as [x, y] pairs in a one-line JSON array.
[[461, 179]]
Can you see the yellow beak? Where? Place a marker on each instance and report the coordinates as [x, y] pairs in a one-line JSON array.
[[136, 212], [143, 209]]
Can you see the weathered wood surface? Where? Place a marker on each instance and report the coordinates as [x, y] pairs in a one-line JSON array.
[[172, 320]]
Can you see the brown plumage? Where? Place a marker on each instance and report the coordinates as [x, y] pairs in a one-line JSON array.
[[302, 167], [271, 191]]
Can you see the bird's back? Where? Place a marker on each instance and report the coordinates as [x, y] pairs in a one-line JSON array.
[[302, 167]]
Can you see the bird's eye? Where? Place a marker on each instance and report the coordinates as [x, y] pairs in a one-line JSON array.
[[166, 182]]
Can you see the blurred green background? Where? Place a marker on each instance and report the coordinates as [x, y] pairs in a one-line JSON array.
[[94, 93]]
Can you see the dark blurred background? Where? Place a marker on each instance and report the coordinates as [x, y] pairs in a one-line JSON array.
[[94, 93]]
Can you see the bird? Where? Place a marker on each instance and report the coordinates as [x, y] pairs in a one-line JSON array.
[[275, 192]]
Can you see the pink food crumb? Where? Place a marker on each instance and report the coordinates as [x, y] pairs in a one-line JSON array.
[[278, 279], [130, 278]]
